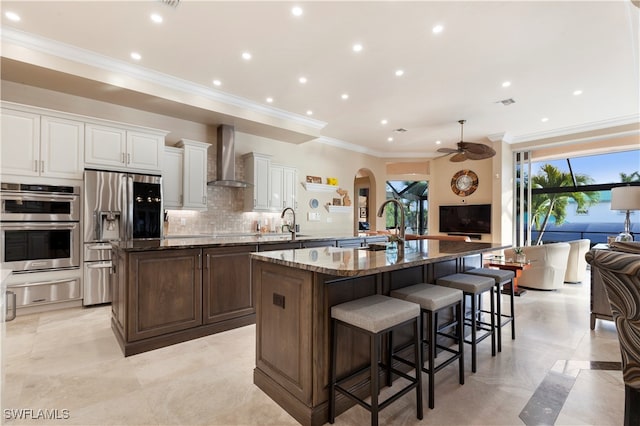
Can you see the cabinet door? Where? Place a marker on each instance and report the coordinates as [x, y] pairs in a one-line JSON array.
[[144, 151], [227, 291], [276, 199], [20, 148], [105, 146], [289, 187], [256, 168], [195, 177], [62, 148], [172, 180], [164, 292]]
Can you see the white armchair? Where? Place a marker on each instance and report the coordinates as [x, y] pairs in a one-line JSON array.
[[577, 264], [548, 266]]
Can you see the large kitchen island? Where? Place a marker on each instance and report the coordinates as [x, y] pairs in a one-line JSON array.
[[295, 290]]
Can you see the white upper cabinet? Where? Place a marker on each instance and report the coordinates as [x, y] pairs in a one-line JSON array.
[[61, 147], [172, 177], [257, 168], [283, 187], [123, 149], [195, 174], [38, 145], [184, 176]]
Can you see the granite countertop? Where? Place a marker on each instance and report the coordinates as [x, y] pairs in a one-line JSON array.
[[222, 240], [349, 262]]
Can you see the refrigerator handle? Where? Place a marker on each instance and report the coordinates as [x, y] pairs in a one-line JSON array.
[[128, 202]]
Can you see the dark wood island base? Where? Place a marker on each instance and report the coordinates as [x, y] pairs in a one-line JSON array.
[[295, 290]]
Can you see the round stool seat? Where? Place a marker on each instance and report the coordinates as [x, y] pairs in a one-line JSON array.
[[499, 275], [472, 284], [375, 313], [428, 296]]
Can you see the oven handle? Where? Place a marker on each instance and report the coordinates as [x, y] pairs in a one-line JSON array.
[[37, 225], [44, 283], [39, 197], [13, 306]]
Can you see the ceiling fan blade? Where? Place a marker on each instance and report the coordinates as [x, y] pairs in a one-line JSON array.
[[459, 157], [477, 148], [448, 150], [474, 156]]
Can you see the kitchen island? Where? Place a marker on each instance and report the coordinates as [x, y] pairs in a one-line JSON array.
[[295, 290], [176, 289]]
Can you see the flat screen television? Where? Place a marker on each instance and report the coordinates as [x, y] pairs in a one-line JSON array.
[[466, 219]]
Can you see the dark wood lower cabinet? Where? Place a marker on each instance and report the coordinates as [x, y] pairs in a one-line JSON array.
[[165, 292], [163, 297], [227, 291]]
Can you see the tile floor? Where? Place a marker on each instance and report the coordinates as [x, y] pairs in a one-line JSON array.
[[68, 362]]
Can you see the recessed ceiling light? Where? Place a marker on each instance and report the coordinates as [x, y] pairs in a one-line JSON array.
[[246, 56], [389, 139], [269, 100], [296, 11], [357, 47], [577, 92], [506, 84], [136, 56], [438, 142], [544, 120], [399, 73], [156, 18], [345, 96], [437, 29], [383, 121], [309, 112], [217, 82], [12, 16], [302, 80]]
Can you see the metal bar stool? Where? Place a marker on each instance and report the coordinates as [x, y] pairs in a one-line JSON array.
[[501, 277], [474, 286], [433, 299], [375, 316]]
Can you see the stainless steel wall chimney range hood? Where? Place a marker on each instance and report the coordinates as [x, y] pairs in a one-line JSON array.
[[226, 159]]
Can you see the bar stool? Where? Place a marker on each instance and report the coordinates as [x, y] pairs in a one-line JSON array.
[[501, 277], [433, 299], [375, 316], [474, 286]]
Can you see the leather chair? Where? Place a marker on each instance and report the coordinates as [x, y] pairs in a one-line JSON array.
[[620, 273], [548, 266], [577, 265]]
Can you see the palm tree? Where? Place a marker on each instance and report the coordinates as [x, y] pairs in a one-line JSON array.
[[632, 177], [547, 205]]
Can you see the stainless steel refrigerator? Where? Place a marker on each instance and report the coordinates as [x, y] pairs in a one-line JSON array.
[[117, 207]]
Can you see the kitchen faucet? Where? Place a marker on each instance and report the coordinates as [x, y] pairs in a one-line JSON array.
[[401, 207], [292, 227]]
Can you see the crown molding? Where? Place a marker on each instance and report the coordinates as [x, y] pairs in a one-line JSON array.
[[87, 57], [338, 143]]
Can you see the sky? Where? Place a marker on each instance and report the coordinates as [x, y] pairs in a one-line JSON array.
[[603, 168]]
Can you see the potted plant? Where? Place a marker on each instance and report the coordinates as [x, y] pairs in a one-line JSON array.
[[520, 256]]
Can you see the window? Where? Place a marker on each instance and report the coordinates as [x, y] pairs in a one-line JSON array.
[[414, 196]]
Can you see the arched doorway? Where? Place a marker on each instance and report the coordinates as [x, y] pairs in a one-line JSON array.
[[364, 186]]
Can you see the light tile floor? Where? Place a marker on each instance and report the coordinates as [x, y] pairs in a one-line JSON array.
[[69, 361]]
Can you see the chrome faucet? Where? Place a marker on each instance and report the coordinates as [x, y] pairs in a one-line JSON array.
[[401, 207], [292, 227]]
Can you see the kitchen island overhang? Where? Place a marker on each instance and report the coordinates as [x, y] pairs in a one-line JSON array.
[[295, 290]]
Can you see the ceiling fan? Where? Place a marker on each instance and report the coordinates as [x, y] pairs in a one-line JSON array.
[[468, 150]]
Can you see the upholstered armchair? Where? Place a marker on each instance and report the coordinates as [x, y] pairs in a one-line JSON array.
[[577, 264], [548, 266], [620, 273]]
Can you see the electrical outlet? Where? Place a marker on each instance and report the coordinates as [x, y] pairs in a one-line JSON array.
[[313, 217], [183, 221]]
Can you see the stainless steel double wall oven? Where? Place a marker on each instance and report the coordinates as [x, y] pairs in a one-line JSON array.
[[40, 233]]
